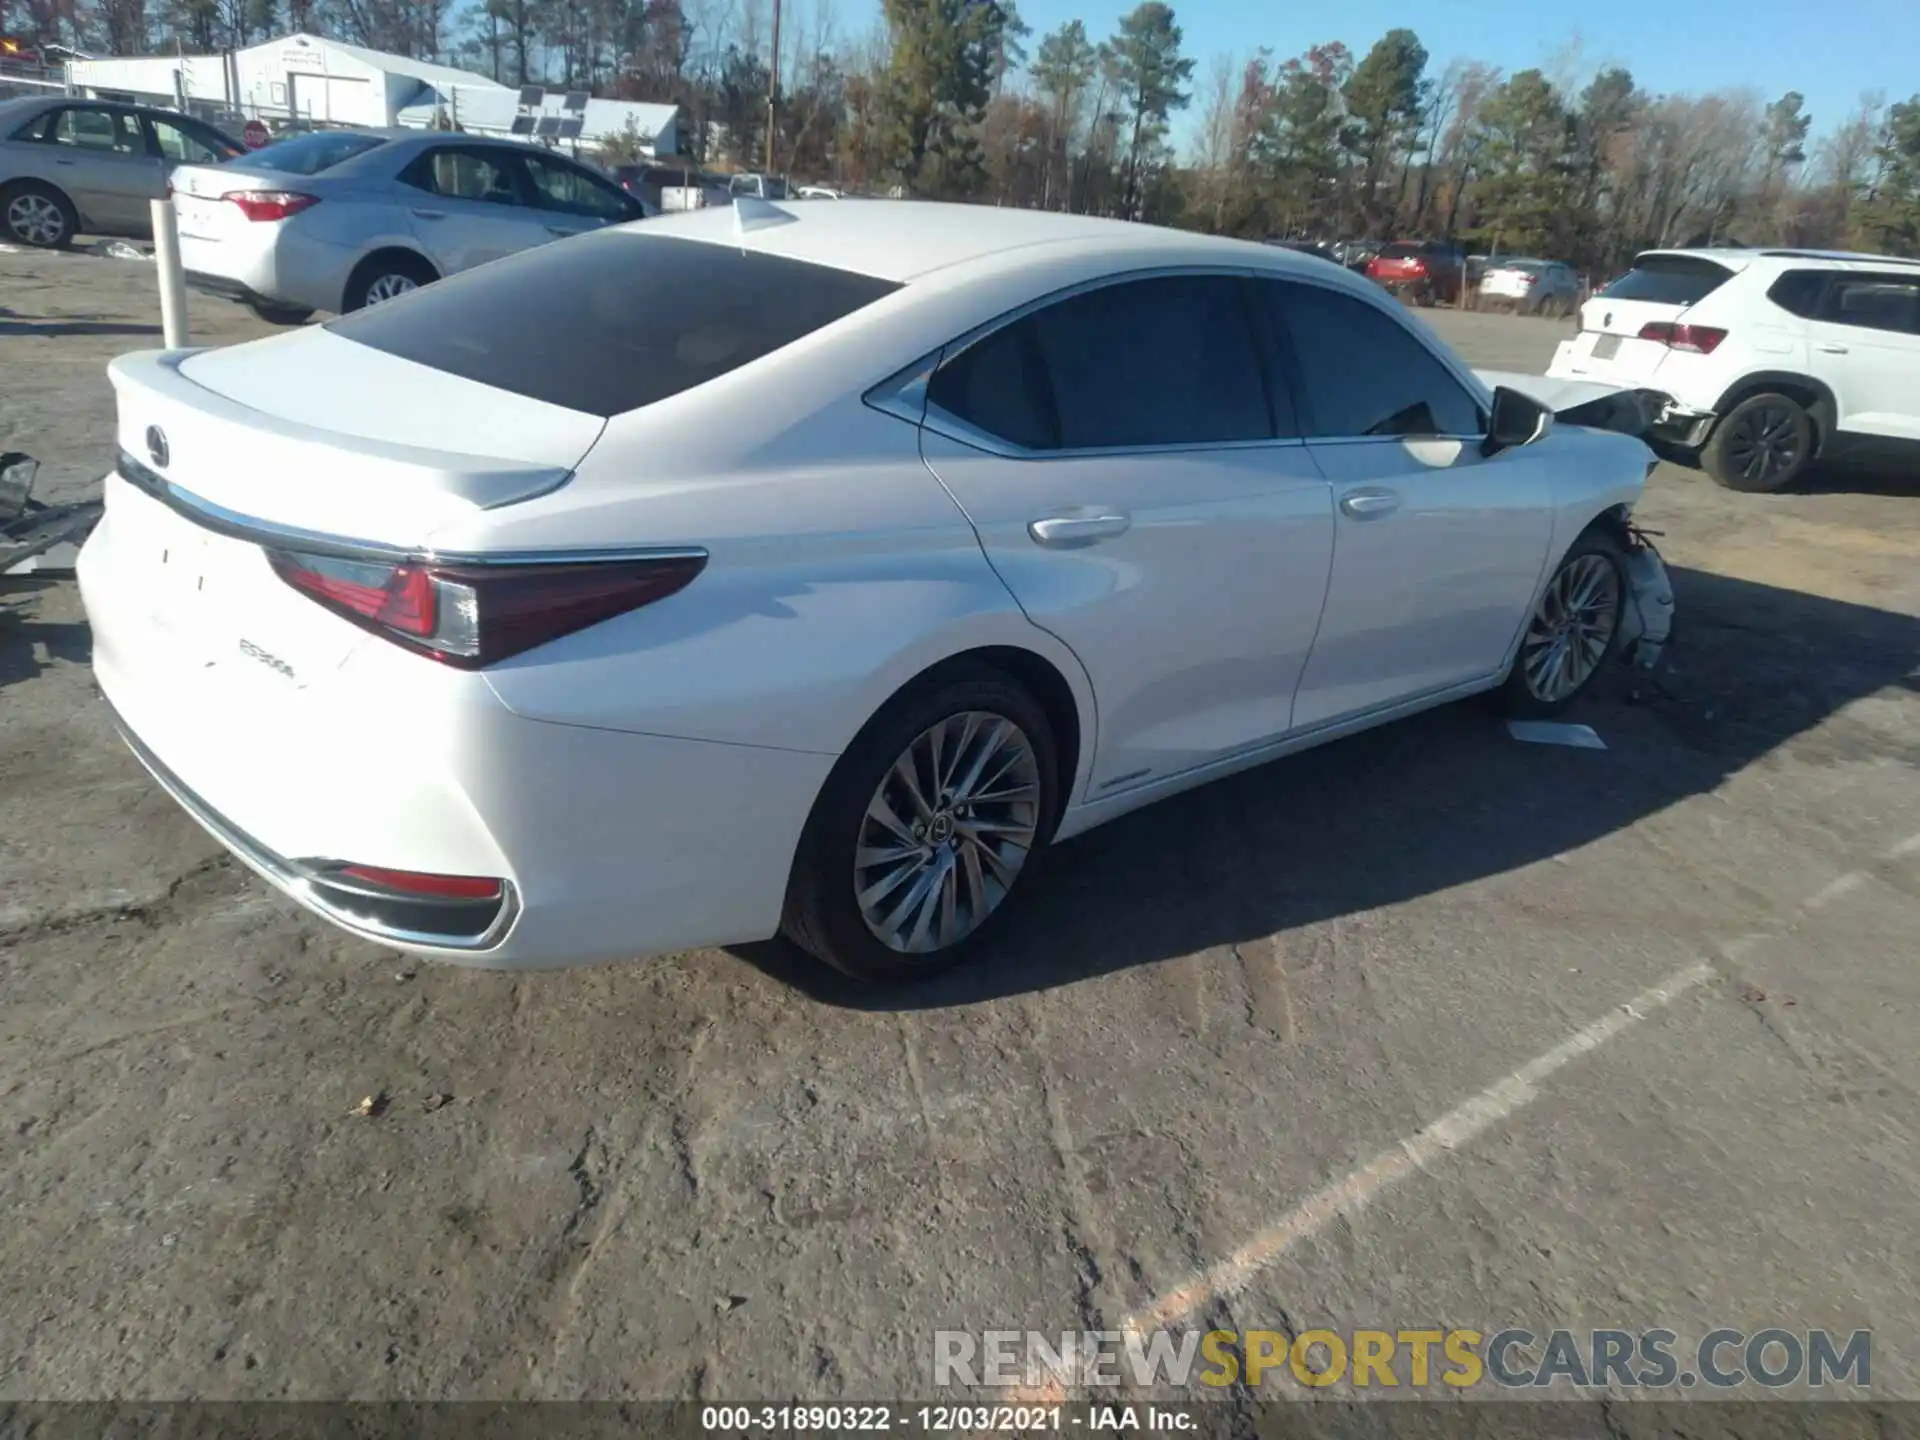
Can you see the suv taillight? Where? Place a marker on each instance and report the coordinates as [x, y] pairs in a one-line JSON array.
[[271, 204], [1695, 339], [470, 616]]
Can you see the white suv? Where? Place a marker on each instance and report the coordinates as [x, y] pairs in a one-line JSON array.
[[1772, 358]]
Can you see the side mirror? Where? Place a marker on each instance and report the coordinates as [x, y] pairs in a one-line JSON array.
[[1517, 420]]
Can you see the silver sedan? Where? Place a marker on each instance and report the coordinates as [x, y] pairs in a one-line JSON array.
[[339, 219], [70, 165]]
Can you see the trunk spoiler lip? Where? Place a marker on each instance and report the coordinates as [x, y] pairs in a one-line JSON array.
[[232, 524], [481, 481]]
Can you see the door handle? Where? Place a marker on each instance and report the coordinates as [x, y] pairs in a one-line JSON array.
[[561, 231], [1832, 349], [1369, 504], [428, 214], [1068, 531]]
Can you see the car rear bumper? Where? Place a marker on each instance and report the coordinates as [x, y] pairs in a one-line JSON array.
[[608, 844]]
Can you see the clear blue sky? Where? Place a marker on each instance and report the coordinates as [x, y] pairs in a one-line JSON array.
[[1829, 50]]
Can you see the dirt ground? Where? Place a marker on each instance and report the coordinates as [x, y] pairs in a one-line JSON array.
[[728, 1176]]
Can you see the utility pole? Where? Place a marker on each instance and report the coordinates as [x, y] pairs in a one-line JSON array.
[[773, 89]]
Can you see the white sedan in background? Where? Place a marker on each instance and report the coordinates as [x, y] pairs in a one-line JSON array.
[[336, 220], [1533, 287], [810, 569]]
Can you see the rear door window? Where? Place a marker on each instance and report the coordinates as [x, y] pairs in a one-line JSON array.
[[611, 321], [1874, 302], [85, 127], [1164, 361], [489, 176], [1669, 280]]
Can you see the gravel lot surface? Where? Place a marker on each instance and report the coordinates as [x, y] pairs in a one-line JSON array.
[[727, 1176]]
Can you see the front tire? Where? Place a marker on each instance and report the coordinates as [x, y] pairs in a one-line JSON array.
[[38, 215], [1574, 629], [1763, 444], [925, 827]]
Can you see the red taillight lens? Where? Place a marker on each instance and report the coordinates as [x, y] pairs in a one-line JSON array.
[[271, 204], [436, 887], [1418, 267], [474, 615], [1696, 339]]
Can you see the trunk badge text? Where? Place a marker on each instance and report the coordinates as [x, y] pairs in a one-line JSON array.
[[272, 662], [157, 445]]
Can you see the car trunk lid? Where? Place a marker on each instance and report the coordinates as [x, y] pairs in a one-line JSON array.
[[299, 440], [199, 198]]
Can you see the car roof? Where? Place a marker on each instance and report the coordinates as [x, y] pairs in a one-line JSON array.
[[901, 240], [1736, 257]]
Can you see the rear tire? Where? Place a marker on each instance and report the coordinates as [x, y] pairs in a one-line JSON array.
[[385, 276], [36, 214], [996, 743], [1574, 631], [1763, 444], [280, 314]]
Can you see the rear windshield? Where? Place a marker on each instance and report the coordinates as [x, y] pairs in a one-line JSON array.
[[309, 154], [609, 322], [1669, 280], [1401, 250]]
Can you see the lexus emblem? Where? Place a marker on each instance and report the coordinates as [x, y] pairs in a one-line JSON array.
[[157, 446]]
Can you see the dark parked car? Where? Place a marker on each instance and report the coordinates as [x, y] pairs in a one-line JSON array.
[[1307, 247], [1423, 271]]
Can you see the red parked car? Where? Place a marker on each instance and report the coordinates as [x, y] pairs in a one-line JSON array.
[[1424, 271]]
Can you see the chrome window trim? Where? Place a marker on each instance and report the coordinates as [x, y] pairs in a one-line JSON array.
[[217, 518], [904, 393]]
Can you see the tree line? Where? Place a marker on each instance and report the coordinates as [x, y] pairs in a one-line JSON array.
[[958, 99]]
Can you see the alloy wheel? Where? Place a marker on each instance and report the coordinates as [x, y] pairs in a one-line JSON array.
[[1764, 443], [947, 832], [389, 286], [36, 220], [1572, 628]]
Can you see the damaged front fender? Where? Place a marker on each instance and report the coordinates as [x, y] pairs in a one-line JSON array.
[[1646, 619], [1591, 403]]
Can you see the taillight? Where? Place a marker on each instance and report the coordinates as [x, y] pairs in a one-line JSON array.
[[271, 204], [474, 615], [1418, 267], [1695, 339]]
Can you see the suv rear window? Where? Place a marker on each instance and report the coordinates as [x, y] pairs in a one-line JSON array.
[[609, 322], [1669, 280]]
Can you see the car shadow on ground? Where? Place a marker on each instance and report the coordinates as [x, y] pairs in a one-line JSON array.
[[23, 635], [1864, 475], [1433, 802], [53, 329]]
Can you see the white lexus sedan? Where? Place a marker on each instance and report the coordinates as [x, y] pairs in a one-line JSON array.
[[759, 570]]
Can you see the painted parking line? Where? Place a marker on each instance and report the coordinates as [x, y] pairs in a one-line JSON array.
[[1461, 1125]]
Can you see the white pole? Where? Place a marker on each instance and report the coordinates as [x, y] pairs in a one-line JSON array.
[[173, 279]]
